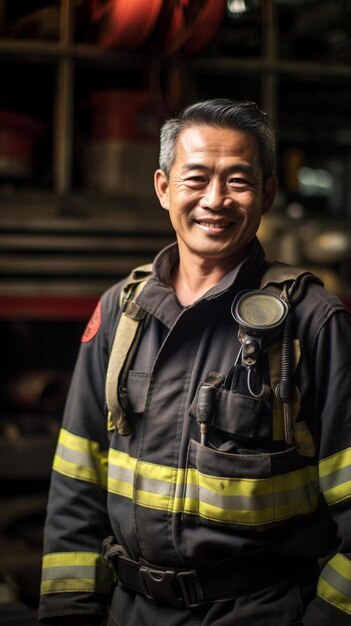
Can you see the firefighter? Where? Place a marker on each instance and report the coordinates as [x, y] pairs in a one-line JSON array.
[[203, 469]]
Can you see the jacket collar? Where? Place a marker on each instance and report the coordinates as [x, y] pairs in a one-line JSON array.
[[244, 271], [158, 297]]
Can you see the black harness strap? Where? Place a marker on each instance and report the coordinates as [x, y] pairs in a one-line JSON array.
[[216, 582]]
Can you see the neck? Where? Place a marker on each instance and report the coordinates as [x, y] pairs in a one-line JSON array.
[[193, 277]]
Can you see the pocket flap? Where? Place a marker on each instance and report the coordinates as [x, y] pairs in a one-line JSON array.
[[238, 414], [137, 389]]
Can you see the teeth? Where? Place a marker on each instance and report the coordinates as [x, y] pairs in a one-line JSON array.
[[213, 224]]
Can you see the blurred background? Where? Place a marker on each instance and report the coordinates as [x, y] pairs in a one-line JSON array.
[[85, 85]]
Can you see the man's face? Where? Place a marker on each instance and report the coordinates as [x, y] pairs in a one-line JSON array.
[[215, 194]]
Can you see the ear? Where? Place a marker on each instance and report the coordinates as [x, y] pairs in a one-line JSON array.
[[269, 192], [161, 188]]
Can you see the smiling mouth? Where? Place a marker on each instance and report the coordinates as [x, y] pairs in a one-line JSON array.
[[214, 226]]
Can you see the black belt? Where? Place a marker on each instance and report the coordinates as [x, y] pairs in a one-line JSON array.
[[222, 580]]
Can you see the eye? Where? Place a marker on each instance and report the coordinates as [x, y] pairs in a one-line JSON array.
[[236, 180], [196, 181]]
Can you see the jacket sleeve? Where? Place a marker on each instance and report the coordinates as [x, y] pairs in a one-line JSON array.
[[332, 383], [75, 581]]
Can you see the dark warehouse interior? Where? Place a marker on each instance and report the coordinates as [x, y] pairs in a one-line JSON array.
[[81, 105]]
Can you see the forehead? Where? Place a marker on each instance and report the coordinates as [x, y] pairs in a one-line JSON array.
[[212, 142]]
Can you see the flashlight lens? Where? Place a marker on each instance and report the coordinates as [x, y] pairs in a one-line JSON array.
[[260, 310]]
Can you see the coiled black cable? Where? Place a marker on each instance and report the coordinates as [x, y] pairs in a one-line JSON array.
[[286, 382]]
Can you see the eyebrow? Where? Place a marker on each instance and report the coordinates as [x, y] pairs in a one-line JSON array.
[[239, 167]]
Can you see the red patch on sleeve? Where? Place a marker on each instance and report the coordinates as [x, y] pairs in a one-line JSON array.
[[93, 325]]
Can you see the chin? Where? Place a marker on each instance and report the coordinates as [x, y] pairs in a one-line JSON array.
[[218, 254]]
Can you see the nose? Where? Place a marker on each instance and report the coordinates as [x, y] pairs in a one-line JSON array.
[[214, 196]]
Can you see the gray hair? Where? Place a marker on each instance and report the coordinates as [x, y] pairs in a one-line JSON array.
[[221, 113]]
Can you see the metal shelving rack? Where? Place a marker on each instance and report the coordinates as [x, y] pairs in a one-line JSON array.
[[40, 214], [66, 53]]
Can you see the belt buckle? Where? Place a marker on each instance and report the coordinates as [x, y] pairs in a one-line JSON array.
[[192, 591], [159, 585], [163, 585]]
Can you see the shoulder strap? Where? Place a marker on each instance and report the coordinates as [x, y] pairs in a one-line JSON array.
[[139, 275], [128, 332], [279, 275]]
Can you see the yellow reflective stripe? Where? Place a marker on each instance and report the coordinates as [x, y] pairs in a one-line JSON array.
[[57, 559], [166, 495], [75, 571], [122, 459], [234, 500], [335, 476], [121, 468], [81, 458], [255, 486], [159, 486], [334, 584], [154, 487], [252, 501], [158, 501], [86, 585]]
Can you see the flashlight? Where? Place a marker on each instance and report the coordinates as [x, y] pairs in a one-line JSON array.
[[260, 315]]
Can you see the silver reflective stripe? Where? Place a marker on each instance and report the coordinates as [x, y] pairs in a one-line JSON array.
[[68, 571], [74, 456], [194, 492], [247, 501], [157, 487], [253, 503], [80, 458], [121, 473], [335, 476], [337, 581], [65, 572], [334, 584]]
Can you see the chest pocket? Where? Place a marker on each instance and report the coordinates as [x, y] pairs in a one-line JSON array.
[[232, 412], [243, 477], [252, 491]]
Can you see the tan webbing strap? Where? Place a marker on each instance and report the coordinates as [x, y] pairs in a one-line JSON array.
[[278, 274], [127, 334], [138, 275]]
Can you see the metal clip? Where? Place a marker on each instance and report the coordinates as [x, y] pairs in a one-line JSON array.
[[181, 589]]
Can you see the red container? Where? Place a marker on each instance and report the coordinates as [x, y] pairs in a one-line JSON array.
[[128, 24], [125, 24], [123, 150], [19, 136], [192, 28], [122, 116], [207, 24]]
